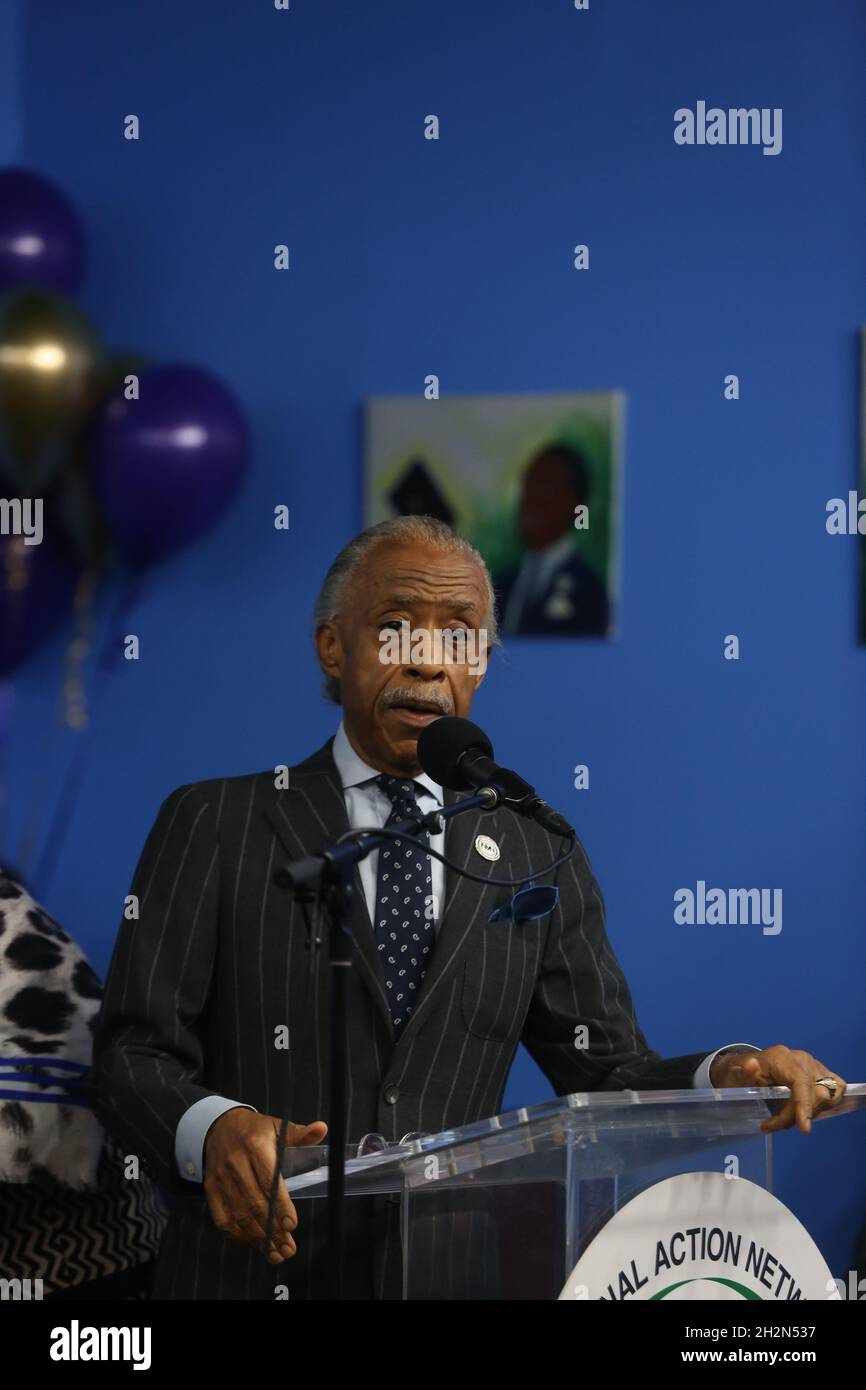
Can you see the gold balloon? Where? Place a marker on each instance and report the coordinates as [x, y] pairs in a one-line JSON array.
[[50, 362]]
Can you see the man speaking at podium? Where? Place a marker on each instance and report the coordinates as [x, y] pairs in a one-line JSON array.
[[189, 1073]]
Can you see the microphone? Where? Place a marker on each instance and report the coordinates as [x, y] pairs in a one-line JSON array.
[[459, 755]]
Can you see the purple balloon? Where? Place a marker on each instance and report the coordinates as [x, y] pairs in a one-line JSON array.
[[41, 237], [166, 467], [37, 585]]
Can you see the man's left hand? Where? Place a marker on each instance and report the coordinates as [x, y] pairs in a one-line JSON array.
[[782, 1066]]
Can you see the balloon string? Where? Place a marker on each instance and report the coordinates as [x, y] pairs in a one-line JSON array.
[[75, 716], [75, 713], [70, 791], [74, 691]]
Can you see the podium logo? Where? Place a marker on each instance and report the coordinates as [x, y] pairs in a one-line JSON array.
[[697, 1237], [737, 126], [720, 907], [706, 1290]]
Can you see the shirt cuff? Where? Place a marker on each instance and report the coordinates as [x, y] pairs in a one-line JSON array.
[[192, 1131], [701, 1080]]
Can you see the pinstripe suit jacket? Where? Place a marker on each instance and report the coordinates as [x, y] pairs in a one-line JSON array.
[[218, 960]]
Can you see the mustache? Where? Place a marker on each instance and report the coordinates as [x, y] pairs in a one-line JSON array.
[[424, 694]]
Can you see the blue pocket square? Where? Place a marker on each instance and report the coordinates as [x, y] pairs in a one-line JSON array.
[[527, 904]]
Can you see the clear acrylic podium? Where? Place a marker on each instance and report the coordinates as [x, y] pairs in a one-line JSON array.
[[503, 1208]]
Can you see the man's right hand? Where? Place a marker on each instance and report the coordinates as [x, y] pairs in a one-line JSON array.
[[240, 1152]]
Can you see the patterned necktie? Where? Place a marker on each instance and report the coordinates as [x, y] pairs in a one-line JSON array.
[[403, 919]]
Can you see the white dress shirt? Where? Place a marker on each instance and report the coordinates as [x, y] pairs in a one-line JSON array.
[[366, 805]]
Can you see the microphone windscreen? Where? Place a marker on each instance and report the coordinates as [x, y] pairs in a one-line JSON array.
[[442, 744]]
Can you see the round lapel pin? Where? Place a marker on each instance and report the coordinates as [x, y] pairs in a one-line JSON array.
[[487, 848]]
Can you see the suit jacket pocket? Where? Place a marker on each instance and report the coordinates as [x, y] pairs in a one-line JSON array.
[[498, 977]]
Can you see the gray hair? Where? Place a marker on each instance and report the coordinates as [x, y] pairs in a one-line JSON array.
[[424, 530]]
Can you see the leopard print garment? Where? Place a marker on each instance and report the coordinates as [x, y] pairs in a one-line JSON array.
[[49, 999], [71, 1224]]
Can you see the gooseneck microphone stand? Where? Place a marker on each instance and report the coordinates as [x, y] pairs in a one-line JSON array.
[[332, 870]]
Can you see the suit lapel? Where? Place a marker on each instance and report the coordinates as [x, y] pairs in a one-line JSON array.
[[307, 816], [311, 812], [467, 904]]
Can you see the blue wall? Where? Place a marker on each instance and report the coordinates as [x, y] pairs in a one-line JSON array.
[[10, 69], [408, 257]]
